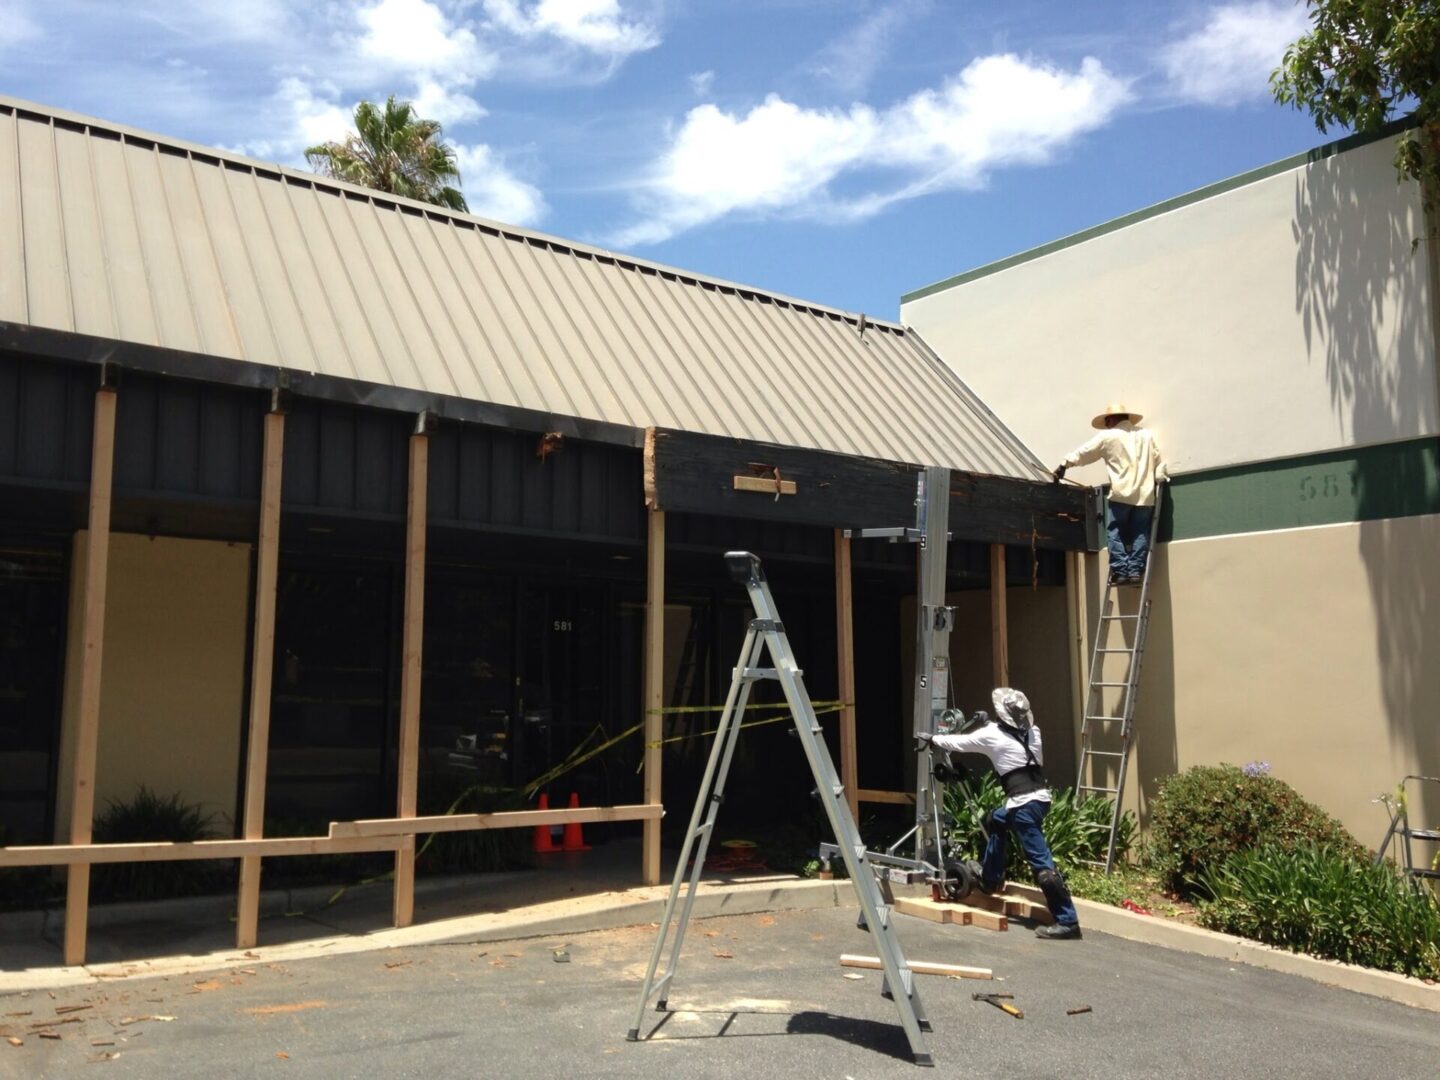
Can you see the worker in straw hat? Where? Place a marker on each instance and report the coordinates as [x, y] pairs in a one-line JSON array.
[[1136, 470]]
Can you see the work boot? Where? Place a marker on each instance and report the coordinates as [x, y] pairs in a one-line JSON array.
[[1060, 932]]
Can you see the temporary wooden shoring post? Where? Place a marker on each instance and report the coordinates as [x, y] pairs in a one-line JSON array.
[[1075, 617], [411, 668], [845, 666], [999, 629], [82, 790], [654, 687], [262, 662]]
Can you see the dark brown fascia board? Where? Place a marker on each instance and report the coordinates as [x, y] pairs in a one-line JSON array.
[[175, 363], [686, 472]]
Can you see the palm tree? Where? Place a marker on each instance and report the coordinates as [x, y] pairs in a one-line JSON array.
[[393, 150]]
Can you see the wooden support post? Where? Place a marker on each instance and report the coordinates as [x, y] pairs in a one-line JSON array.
[[262, 663], [410, 671], [1076, 609], [999, 627], [845, 666], [82, 788], [654, 683]]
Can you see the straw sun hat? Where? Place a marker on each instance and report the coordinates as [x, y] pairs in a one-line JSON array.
[[1114, 409]]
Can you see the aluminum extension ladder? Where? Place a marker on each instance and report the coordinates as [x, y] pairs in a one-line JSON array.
[[1108, 731], [766, 632]]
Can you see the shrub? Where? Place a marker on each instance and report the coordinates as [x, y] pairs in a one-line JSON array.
[[1209, 813], [1315, 899], [148, 816], [1076, 833]]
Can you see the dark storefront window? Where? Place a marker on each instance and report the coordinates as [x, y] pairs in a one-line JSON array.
[[32, 620], [334, 671]]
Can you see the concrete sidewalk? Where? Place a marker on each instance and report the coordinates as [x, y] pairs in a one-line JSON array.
[[570, 893]]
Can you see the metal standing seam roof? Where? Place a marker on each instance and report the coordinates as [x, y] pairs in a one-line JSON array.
[[118, 234]]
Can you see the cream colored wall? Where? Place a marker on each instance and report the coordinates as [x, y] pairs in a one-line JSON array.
[[173, 673], [1284, 317], [1312, 649]]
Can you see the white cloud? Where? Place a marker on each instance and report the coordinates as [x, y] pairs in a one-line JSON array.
[[416, 36], [701, 83], [301, 114], [1230, 57], [599, 26], [435, 101], [16, 25], [783, 158], [849, 61], [493, 191]]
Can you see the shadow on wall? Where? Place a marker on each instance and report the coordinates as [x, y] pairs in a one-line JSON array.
[[1364, 271]]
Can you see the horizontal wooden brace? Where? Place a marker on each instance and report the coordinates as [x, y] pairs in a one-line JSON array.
[[161, 851], [510, 819], [899, 798], [764, 486]]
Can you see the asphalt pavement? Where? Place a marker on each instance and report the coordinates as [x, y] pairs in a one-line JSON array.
[[756, 995]]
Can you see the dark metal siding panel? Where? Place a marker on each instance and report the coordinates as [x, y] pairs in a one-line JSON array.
[[45, 411]]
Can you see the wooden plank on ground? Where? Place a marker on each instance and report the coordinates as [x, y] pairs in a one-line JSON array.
[[509, 819], [262, 661], [920, 967], [654, 687], [958, 914], [845, 666], [97, 557], [411, 666]]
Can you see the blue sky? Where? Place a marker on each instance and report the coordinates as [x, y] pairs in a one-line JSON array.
[[844, 151]]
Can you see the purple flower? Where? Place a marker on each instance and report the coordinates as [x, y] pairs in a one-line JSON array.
[[1257, 768]]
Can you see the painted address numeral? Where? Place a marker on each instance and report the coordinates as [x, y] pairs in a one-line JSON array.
[[1328, 485]]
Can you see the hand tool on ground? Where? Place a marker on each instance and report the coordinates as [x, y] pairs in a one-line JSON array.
[[1004, 1006]]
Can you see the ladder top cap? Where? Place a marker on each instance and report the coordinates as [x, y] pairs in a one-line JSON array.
[[744, 567]]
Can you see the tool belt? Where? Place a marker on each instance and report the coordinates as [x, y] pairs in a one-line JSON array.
[[1023, 781]]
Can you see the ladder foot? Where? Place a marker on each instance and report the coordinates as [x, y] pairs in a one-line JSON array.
[[925, 1025], [663, 1005], [633, 1035], [925, 1060]]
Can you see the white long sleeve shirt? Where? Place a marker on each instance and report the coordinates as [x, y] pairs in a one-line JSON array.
[[1132, 459], [1004, 751]]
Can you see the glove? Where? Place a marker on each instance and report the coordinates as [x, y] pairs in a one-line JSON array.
[[1059, 473], [922, 740]]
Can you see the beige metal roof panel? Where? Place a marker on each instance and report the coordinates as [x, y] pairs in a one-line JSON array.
[[119, 234]]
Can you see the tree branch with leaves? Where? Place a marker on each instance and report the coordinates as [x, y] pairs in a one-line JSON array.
[[393, 150], [1364, 63]]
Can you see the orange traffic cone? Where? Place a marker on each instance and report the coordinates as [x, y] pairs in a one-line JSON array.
[[574, 838], [542, 842]]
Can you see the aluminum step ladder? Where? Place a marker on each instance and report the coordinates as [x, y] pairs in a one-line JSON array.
[[1107, 730], [1401, 831], [767, 633]]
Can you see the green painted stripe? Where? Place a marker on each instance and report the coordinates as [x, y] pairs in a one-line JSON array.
[[1357, 484], [1309, 157]]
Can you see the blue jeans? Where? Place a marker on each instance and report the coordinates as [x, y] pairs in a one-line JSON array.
[[1024, 821], [1129, 538]]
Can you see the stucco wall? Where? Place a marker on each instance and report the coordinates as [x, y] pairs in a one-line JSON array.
[[173, 674], [1282, 317], [1312, 649]]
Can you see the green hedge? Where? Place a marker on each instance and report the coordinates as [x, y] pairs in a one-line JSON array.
[[1206, 815], [1076, 833], [1312, 898]]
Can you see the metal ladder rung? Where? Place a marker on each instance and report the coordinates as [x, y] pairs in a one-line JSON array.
[[1117, 719], [1106, 790], [1119, 617], [1105, 753], [1115, 650], [1110, 684]]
